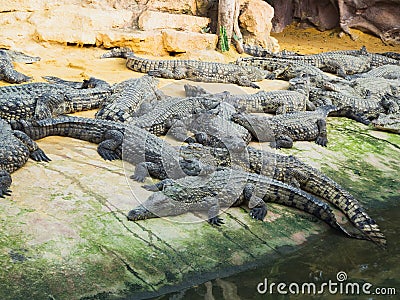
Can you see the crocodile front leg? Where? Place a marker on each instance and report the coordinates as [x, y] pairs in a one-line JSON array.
[[35, 152], [107, 148], [245, 81], [255, 203], [5, 183], [322, 138], [213, 211]]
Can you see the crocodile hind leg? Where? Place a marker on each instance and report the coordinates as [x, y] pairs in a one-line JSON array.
[[322, 138], [176, 73], [255, 203], [5, 183], [35, 152], [107, 148]]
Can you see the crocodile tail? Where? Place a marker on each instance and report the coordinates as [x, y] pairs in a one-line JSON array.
[[321, 185], [124, 52]]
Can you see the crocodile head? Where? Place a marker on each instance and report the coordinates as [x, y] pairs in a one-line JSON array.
[[156, 206]]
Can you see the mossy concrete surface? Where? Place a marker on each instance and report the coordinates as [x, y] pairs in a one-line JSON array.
[[64, 232]]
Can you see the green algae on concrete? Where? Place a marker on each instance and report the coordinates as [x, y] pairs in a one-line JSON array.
[[64, 233]]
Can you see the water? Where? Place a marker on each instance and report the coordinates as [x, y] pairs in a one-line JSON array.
[[320, 260]]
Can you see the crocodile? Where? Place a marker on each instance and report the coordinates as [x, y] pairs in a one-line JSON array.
[[385, 71], [130, 98], [213, 129], [168, 111], [292, 171], [39, 100], [278, 102], [15, 150], [150, 154], [387, 122], [339, 64], [7, 71], [282, 130], [258, 51], [194, 70], [354, 107], [224, 188]]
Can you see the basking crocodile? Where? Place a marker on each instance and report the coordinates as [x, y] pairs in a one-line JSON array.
[[191, 69], [279, 102], [213, 129], [282, 130], [224, 188], [339, 64], [160, 119], [7, 71], [390, 122], [150, 154], [385, 71], [39, 100], [353, 106], [258, 51], [292, 171], [15, 149], [130, 98]]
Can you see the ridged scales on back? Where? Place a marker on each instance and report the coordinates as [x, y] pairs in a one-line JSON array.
[[195, 70], [150, 154], [130, 98], [292, 171], [162, 117], [339, 64], [39, 100], [282, 130], [15, 149], [279, 102], [224, 188]]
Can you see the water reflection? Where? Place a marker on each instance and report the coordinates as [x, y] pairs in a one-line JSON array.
[[319, 261]]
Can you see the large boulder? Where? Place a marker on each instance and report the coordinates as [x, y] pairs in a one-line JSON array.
[[255, 21], [79, 24]]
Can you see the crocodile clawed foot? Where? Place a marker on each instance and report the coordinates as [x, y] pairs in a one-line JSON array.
[[5, 193], [39, 155], [138, 177], [217, 221], [107, 154], [322, 141], [135, 215], [258, 212]]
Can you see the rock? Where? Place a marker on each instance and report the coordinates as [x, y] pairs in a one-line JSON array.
[[35, 5], [255, 19], [177, 7], [148, 42], [184, 41], [80, 25], [152, 20], [14, 29]]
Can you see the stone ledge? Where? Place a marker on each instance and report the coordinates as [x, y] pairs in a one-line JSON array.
[[183, 41], [149, 42], [152, 20]]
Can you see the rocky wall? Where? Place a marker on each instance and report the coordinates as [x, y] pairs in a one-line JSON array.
[[138, 24]]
